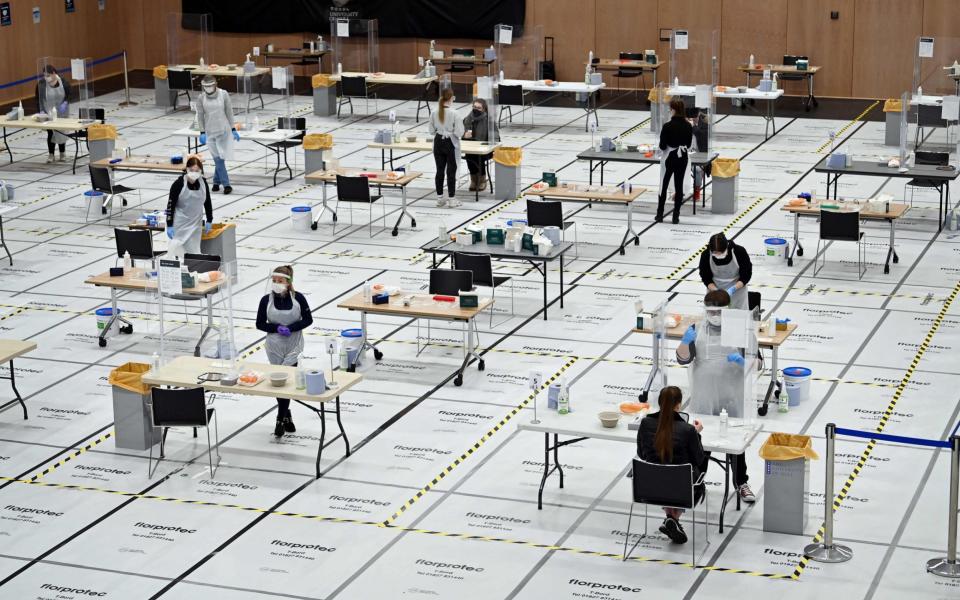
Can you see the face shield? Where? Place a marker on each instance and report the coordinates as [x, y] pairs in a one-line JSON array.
[[711, 315], [209, 86], [277, 282]]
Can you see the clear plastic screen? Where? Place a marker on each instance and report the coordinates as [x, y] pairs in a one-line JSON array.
[[933, 70], [520, 59], [76, 76], [188, 39], [356, 45], [281, 82], [694, 67], [484, 129]]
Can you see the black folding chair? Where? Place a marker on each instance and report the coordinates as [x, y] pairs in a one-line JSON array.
[[938, 159], [836, 226], [356, 87], [445, 282], [631, 73], [509, 96], [357, 189], [549, 213], [182, 83], [186, 408], [481, 266], [101, 180], [138, 242]]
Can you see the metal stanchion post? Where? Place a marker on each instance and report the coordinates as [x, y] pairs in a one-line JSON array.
[[947, 566], [826, 551], [126, 83]]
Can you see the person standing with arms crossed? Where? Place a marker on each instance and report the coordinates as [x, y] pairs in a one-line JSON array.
[[446, 129]]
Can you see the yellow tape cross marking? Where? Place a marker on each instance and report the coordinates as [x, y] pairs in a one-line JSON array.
[[850, 124], [70, 457]]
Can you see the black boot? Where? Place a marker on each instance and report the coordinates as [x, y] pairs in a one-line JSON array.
[[227, 189], [216, 187], [288, 425], [660, 203], [278, 430]]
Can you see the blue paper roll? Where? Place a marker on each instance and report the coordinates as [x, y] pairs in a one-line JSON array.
[[316, 383]]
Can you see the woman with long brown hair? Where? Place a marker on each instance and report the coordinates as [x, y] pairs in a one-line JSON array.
[[446, 129], [666, 438]]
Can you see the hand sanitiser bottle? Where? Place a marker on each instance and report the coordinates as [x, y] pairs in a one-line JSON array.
[[724, 423]]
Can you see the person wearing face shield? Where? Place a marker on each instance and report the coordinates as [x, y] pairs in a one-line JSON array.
[[189, 209], [283, 314], [446, 129], [726, 266], [476, 127], [716, 375], [53, 93], [215, 119]]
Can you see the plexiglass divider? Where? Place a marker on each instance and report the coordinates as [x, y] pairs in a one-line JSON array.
[[355, 44], [520, 59], [188, 39], [71, 89], [281, 81]]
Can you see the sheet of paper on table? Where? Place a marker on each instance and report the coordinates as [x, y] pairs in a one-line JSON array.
[[735, 327]]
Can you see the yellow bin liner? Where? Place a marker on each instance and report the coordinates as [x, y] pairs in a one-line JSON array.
[[129, 376], [216, 229], [320, 80], [893, 105], [725, 167], [788, 446], [508, 156], [317, 141], [160, 71], [653, 96], [100, 131]]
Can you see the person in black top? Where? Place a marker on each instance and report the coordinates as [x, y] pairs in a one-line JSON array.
[[726, 266], [283, 314], [675, 139], [476, 127], [666, 438], [189, 203]]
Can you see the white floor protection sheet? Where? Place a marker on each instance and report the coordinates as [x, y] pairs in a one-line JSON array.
[[438, 497]]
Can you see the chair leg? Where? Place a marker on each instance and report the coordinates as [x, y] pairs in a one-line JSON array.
[[626, 538], [816, 259]]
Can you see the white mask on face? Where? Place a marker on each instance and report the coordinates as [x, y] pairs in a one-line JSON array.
[[52, 80], [279, 288], [192, 176], [210, 89], [721, 255], [714, 320]]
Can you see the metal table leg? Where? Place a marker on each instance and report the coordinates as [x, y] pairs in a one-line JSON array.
[[403, 211], [323, 208], [797, 247], [561, 280], [627, 234], [891, 252], [3, 242], [114, 317], [16, 392], [206, 330], [6, 145]]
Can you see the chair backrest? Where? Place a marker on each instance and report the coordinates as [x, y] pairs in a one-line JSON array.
[[353, 86], [631, 55], [450, 282], [929, 116], [292, 123], [931, 158], [666, 485], [353, 189], [510, 95], [463, 52], [138, 242], [172, 407], [201, 263], [790, 60], [479, 264], [100, 179], [841, 226], [545, 213], [97, 114], [179, 80]]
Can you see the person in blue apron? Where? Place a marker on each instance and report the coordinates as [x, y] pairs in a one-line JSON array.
[[283, 314], [675, 140], [215, 119], [726, 266], [189, 209], [447, 129], [716, 375], [53, 93]]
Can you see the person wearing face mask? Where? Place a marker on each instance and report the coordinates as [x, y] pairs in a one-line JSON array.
[[215, 119], [187, 206], [446, 130], [53, 93], [726, 266], [476, 127], [283, 314], [676, 136], [716, 375]]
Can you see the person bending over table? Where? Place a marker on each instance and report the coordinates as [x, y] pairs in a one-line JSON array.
[[189, 202], [675, 139], [717, 375], [726, 266], [666, 438], [283, 314], [476, 127], [53, 93]]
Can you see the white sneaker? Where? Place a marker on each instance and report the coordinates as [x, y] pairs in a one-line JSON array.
[[50, 159], [453, 202], [441, 201], [746, 494], [62, 157]]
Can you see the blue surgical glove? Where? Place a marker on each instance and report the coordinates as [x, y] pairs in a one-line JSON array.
[[63, 108], [689, 336], [735, 357], [283, 330], [170, 232], [236, 136], [203, 139], [207, 227], [731, 289]]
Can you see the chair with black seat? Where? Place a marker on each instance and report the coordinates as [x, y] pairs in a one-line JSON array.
[[445, 282], [181, 82], [549, 213], [937, 159], [357, 189], [509, 96], [631, 73], [185, 408], [298, 124], [481, 265], [670, 486], [101, 180], [356, 87], [837, 226], [92, 114], [138, 242]]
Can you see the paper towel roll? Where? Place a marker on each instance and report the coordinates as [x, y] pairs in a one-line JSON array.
[[316, 382]]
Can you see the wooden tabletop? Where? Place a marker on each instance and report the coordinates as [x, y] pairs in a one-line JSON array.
[[566, 193], [296, 53], [64, 124], [423, 306], [382, 177], [134, 279], [897, 210], [618, 63], [392, 78], [763, 339], [184, 371], [222, 70], [480, 60], [10, 349], [161, 164], [778, 69], [425, 145]]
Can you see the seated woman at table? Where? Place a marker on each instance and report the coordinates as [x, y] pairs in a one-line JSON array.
[[477, 128], [666, 438], [283, 314]]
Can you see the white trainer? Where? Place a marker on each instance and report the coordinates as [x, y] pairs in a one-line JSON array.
[[441, 201]]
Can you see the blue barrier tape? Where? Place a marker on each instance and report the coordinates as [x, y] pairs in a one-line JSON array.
[[873, 435], [64, 70]]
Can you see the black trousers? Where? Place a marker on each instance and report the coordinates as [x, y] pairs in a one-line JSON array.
[[674, 167], [476, 163], [740, 476], [51, 145], [283, 405], [445, 155]]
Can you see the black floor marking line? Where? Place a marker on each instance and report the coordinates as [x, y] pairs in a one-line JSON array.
[[40, 465]]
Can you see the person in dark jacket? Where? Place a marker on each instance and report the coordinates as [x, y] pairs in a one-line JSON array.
[[283, 314], [700, 136], [675, 139], [666, 438], [187, 206], [476, 127], [726, 266], [53, 93]]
